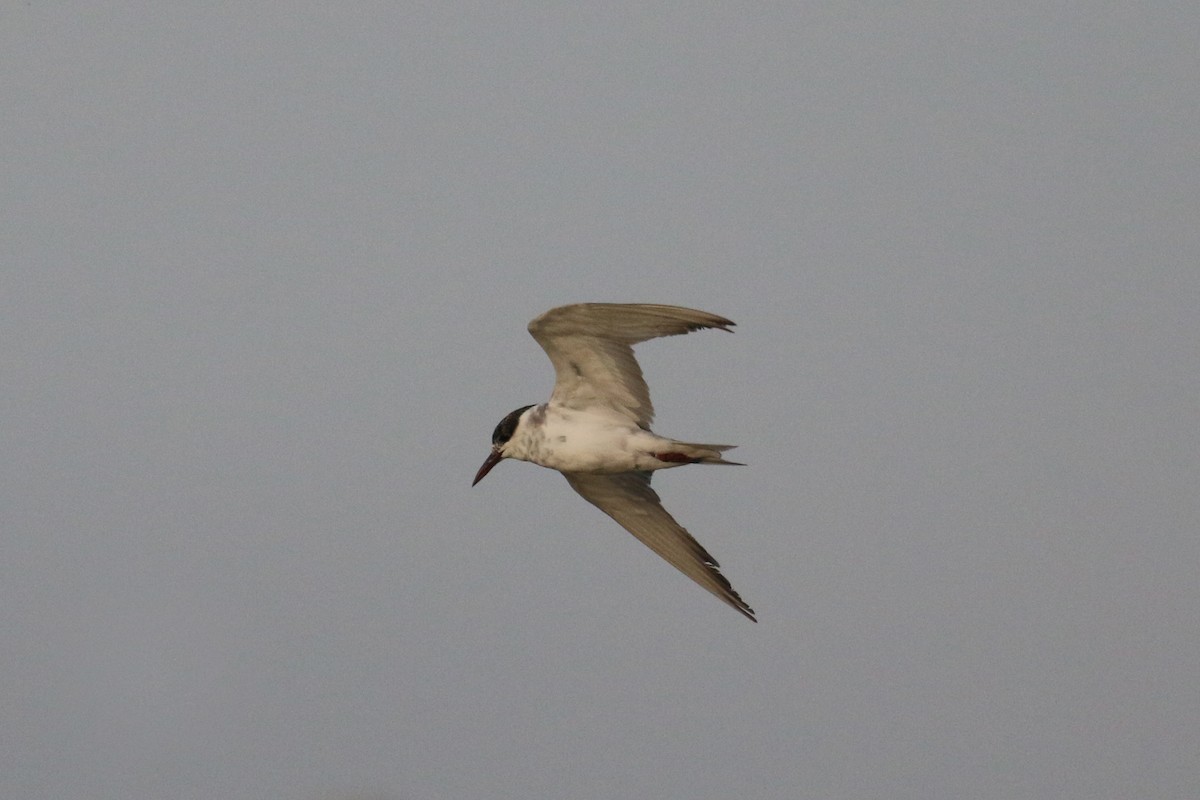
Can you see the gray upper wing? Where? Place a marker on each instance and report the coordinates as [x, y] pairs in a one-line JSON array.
[[591, 348], [628, 498]]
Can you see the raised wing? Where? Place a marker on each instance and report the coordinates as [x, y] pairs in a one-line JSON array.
[[591, 347], [628, 498]]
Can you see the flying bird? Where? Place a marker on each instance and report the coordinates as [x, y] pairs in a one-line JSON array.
[[596, 428]]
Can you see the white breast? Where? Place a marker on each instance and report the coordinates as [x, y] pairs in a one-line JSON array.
[[582, 441]]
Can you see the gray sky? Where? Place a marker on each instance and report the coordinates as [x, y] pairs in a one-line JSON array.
[[266, 275]]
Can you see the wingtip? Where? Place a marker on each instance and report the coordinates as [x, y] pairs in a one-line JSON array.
[[735, 600], [719, 324]]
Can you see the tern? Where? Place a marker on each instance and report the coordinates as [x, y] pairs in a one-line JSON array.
[[595, 429]]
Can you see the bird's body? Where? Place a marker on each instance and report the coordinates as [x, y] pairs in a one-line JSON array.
[[596, 427], [598, 441]]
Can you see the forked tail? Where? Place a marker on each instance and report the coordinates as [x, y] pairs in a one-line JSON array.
[[693, 453]]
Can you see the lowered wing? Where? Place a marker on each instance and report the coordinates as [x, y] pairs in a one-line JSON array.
[[628, 498]]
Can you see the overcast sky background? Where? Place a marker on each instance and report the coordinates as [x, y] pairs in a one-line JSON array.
[[266, 276]]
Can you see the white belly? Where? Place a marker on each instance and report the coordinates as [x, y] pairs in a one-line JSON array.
[[573, 441]]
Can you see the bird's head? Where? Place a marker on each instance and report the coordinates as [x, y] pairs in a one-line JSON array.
[[504, 431]]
